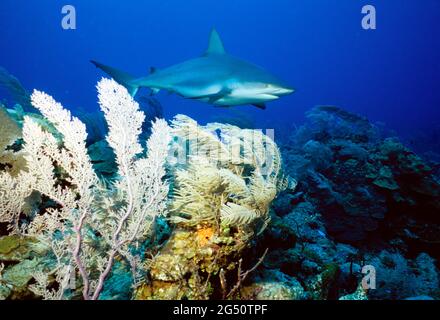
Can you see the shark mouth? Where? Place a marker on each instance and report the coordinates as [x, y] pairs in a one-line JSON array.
[[267, 96], [282, 92]]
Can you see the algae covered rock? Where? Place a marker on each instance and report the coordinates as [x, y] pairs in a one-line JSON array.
[[399, 278], [372, 185], [280, 234], [271, 291], [385, 179], [103, 158], [17, 248], [359, 294], [8, 246], [274, 285], [20, 274], [320, 287], [5, 291], [179, 270], [22, 258], [219, 206]]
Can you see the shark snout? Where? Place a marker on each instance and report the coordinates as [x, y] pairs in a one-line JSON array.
[[283, 91], [280, 91]]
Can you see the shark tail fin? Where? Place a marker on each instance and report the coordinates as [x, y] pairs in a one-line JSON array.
[[119, 76]]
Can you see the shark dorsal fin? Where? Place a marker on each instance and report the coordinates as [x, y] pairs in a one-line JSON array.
[[215, 44]]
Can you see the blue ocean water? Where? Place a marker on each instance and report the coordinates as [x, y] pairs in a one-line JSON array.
[[390, 74]]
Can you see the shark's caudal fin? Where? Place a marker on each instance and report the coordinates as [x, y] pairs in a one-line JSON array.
[[121, 77], [215, 44]]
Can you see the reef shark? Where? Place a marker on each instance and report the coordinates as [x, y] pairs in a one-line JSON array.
[[216, 78]]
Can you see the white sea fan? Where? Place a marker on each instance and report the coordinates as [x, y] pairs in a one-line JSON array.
[[124, 120], [232, 175], [141, 188], [141, 178], [13, 192]]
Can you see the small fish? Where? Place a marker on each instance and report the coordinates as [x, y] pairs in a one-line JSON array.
[[322, 234]]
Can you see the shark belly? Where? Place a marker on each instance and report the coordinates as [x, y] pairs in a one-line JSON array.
[[193, 92]]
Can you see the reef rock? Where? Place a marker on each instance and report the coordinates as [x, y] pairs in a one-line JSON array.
[[361, 182], [359, 294], [274, 285], [103, 158], [21, 257], [15, 248]]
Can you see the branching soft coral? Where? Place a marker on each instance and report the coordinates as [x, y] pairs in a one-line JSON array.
[[83, 240], [223, 188], [13, 194], [220, 200], [231, 178]]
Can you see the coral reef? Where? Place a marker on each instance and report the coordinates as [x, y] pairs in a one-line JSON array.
[[361, 182], [219, 205], [15, 89], [99, 220], [209, 212], [400, 278], [361, 198]]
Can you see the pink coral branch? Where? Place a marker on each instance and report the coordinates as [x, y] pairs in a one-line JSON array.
[[119, 244], [77, 258], [116, 243]]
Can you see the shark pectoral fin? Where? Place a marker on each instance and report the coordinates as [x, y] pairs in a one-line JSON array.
[[212, 98], [261, 106], [154, 91]]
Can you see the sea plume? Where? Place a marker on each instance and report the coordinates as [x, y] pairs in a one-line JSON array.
[[223, 186], [62, 171]]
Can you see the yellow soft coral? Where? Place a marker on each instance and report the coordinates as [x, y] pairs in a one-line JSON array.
[[231, 176], [223, 187]]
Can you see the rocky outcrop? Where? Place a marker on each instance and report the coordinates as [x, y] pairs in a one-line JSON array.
[[365, 186]]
